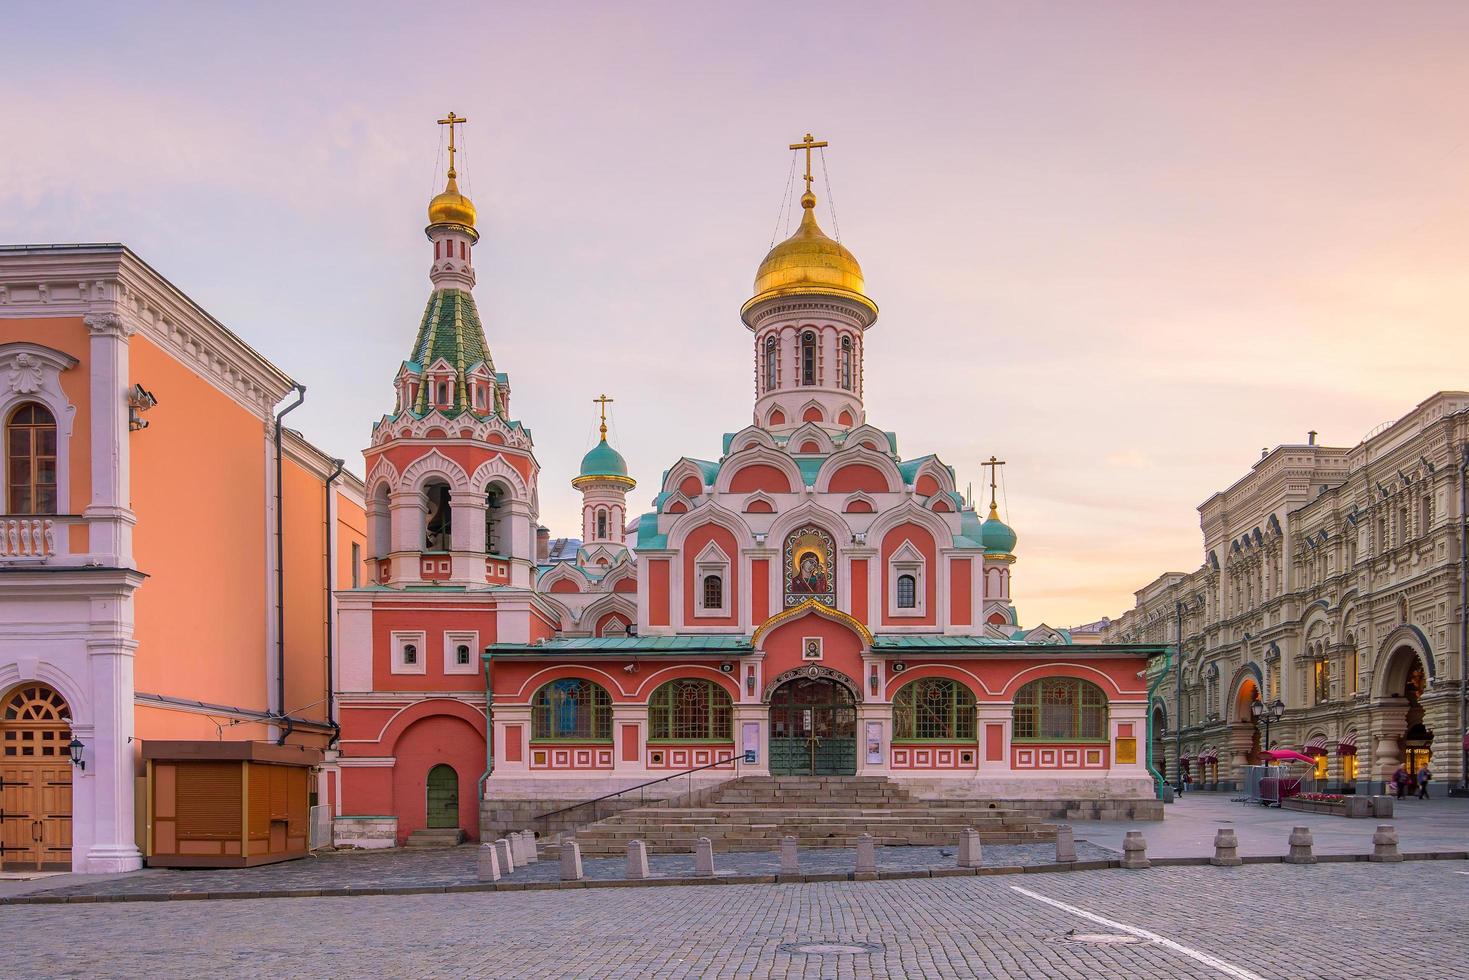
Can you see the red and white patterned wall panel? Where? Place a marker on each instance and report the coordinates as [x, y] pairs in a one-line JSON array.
[[571, 757], [935, 757], [689, 756], [1059, 757]]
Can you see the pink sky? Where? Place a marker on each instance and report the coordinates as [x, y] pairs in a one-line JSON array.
[[1123, 246]]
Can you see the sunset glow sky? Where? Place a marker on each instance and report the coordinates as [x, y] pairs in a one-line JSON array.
[[1123, 246]]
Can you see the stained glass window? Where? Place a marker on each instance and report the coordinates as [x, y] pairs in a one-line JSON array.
[[690, 708], [934, 708], [572, 708], [1060, 709]]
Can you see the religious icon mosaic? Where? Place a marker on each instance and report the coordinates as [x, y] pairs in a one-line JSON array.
[[810, 567]]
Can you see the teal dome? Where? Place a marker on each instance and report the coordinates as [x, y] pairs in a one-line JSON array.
[[996, 535], [603, 460]]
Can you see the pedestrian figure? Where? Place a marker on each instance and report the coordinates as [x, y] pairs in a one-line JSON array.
[[1423, 777], [1400, 781]]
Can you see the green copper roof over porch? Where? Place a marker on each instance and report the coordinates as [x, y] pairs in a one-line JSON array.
[[628, 646]]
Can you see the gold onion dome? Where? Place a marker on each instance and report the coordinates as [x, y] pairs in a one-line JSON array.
[[451, 207], [809, 262]]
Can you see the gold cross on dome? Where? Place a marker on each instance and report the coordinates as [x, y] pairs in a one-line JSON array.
[[602, 400], [808, 144], [451, 122], [994, 465]]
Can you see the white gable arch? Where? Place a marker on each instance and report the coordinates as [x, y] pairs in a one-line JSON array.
[[710, 513], [810, 432], [431, 465], [759, 455], [850, 455], [497, 470], [749, 437], [869, 433], [810, 512]]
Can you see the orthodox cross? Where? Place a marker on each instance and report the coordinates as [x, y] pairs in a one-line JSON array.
[[808, 144], [451, 122], [602, 400], [994, 465]]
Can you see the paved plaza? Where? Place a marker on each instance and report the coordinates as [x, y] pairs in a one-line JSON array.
[[1327, 920], [1260, 920]]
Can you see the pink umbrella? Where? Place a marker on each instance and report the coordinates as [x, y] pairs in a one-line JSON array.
[[1287, 755]]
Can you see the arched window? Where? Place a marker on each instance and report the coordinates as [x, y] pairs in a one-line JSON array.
[[1060, 709], [690, 709], [410, 654], [713, 592], [601, 525], [573, 709], [494, 501], [934, 708], [847, 363], [808, 358], [461, 654], [439, 523], [770, 363], [907, 592], [30, 452]]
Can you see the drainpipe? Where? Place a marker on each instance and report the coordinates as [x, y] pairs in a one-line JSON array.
[[331, 703], [280, 568], [1178, 697], [489, 729], [1152, 689], [1464, 611]]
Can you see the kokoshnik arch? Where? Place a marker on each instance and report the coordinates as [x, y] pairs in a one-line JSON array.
[[809, 600]]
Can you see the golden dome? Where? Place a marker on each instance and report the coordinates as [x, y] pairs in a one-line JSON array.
[[451, 207], [809, 262]]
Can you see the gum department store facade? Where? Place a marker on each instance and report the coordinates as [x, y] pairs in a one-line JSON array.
[[1333, 581]]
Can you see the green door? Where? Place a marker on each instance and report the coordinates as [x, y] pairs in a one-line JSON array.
[[443, 797], [813, 729]]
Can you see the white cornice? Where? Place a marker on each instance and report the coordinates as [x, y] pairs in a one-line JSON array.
[[77, 280]]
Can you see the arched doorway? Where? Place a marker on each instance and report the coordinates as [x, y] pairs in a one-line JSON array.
[[1248, 693], [813, 727], [1408, 677], [443, 797], [35, 780]]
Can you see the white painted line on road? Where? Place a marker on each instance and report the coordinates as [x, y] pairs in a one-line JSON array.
[[1228, 969]]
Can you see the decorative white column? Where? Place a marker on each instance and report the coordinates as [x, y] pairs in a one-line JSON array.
[[468, 538], [108, 516], [408, 511], [520, 523], [110, 767]]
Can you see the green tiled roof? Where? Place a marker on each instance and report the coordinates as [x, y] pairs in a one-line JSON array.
[[809, 467], [451, 330], [648, 536], [622, 646], [939, 643]]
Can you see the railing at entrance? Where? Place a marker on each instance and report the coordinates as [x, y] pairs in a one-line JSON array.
[[641, 787]]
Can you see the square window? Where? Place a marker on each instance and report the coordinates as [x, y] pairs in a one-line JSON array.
[[408, 652], [461, 652]]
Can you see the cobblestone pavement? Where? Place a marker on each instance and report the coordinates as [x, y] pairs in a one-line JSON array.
[[1270, 921], [1188, 826], [406, 867]]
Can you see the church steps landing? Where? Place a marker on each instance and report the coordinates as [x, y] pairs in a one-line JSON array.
[[755, 813]]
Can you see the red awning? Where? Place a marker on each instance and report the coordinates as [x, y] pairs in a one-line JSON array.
[[1209, 755], [1288, 755], [1348, 744], [1317, 746]]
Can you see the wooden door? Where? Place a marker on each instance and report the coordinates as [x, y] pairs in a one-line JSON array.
[[35, 780]]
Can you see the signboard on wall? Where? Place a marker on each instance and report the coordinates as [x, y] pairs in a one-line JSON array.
[[1126, 750], [874, 743], [750, 740]]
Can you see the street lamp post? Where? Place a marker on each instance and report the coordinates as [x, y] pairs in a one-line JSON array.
[[1266, 713]]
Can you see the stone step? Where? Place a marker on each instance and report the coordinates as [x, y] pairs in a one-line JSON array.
[[436, 837]]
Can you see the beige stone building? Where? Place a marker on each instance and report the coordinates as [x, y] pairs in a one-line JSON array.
[[1334, 580]]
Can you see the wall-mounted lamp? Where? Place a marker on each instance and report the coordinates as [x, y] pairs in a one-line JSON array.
[[140, 399], [76, 747]]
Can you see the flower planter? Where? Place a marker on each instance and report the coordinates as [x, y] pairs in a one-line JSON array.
[[1351, 806]]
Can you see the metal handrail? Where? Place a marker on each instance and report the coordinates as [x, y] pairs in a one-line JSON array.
[[736, 759]]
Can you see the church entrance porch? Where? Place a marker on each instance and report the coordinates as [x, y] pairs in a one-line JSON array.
[[813, 728]]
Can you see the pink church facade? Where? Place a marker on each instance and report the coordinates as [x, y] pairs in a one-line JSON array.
[[807, 600]]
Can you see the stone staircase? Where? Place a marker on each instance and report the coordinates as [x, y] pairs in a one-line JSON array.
[[450, 837], [754, 813]]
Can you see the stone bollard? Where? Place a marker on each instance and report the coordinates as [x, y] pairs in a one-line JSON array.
[[1385, 844], [528, 838], [1300, 846], [489, 863], [790, 860], [571, 861], [704, 858], [506, 858], [1226, 849], [1065, 844], [637, 859], [1135, 851], [970, 853], [866, 858], [517, 848]]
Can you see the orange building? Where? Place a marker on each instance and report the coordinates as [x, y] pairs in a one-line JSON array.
[[134, 606]]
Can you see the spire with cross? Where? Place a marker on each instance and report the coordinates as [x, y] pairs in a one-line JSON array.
[[602, 401], [994, 468], [809, 143], [451, 121]]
